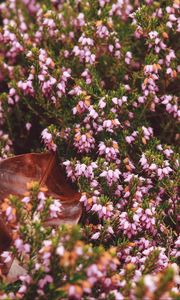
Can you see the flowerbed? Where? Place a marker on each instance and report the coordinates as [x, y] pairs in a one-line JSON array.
[[97, 83]]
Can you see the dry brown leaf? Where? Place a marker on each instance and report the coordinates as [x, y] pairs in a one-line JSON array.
[[5, 237], [18, 171], [15, 271]]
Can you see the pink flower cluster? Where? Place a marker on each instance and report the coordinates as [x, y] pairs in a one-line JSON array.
[[99, 80]]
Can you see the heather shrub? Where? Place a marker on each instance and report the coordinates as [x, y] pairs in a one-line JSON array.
[[96, 82]]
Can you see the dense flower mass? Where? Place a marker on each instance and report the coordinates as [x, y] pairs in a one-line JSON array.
[[96, 82]]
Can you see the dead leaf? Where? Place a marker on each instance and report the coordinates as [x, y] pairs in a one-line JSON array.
[[15, 271], [18, 171], [5, 237]]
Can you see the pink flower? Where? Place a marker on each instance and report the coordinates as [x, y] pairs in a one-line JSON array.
[[55, 209], [84, 142], [6, 255], [47, 279], [48, 140], [22, 289], [112, 176], [102, 103]]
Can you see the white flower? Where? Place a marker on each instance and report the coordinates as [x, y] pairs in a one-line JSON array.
[[60, 250], [95, 236]]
